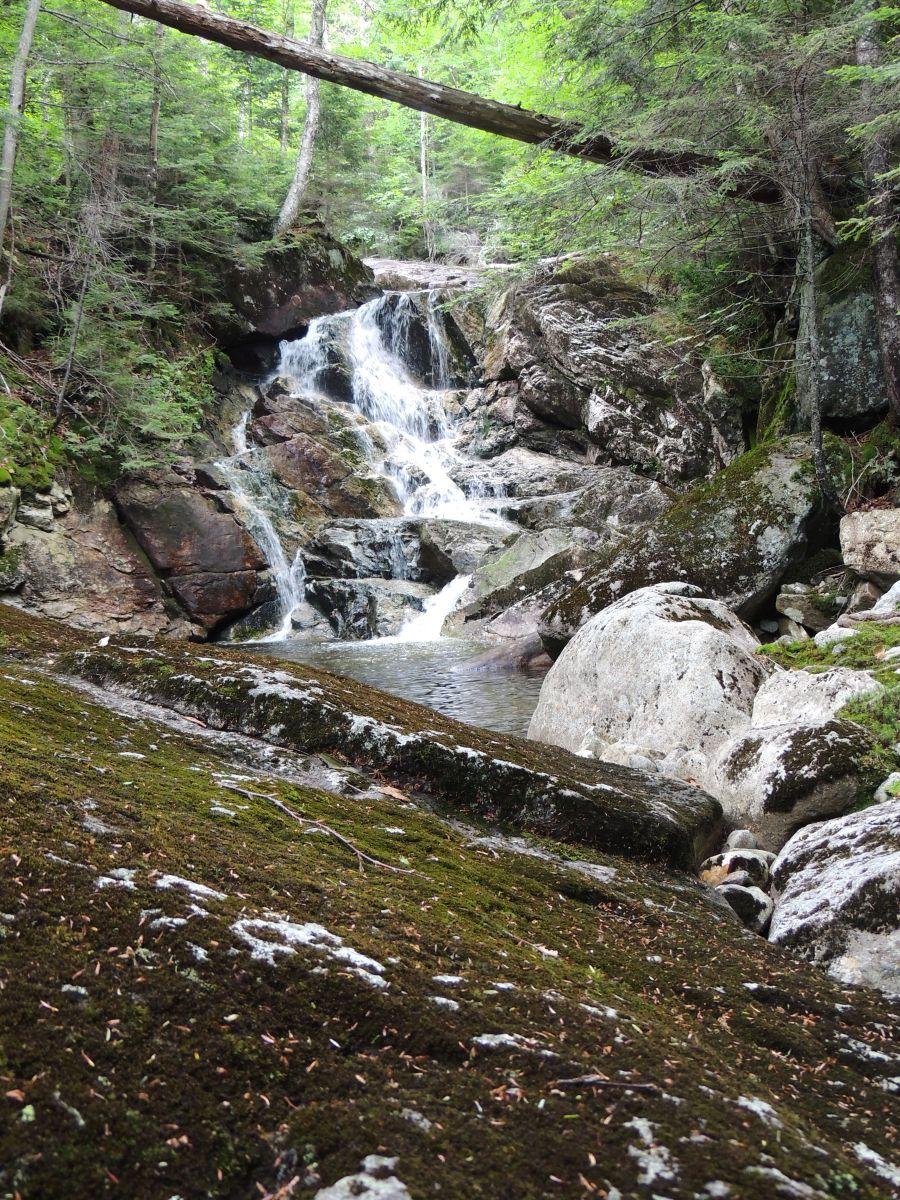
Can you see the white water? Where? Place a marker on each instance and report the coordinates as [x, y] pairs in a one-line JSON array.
[[253, 490], [428, 624], [372, 345], [410, 418]]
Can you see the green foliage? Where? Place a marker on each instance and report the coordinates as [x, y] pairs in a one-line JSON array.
[[29, 451]]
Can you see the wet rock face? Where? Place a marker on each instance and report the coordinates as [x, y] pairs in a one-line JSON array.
[[571, 350], [330, 479], [205, 556], [733, 537], [838, 896]]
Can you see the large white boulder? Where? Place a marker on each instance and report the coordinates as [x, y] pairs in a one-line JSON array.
[[775, 778], [870, 543], [837, 887], [791, 696], [663, 670]]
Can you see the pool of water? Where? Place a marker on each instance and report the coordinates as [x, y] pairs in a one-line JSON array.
[[445, 675]]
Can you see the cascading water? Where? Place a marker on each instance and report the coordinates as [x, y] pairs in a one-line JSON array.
[[411, 420], [254, 492], [369, 349]]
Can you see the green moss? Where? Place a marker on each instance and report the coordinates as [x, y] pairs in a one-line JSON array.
[[30, 452], [880, 715], [228, 1077]]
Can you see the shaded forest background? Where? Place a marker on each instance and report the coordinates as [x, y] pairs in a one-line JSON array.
[[147, 159]]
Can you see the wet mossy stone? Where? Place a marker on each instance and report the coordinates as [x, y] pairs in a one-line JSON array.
[[183, 1013], [499, 777], [734, 537]]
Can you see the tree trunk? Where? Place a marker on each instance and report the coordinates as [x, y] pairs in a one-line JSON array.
[[809, 380], [465, 108], [293, 201], [427, 226], [877, 161], [153, 179], [16, 108], [287, 28]]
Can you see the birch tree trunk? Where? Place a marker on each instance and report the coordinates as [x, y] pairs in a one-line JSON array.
[[427, 226], [877, 161], [14, 116], [293, 201]]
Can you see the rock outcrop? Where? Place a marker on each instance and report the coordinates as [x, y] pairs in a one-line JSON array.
[[572, 365], [837, 885], [733, 537], [206, 557], [197, 901], [870, 544], [663, 673]]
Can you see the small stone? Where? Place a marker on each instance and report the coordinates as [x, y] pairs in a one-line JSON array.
[[751, 904], [889, 789], [864, 596], [792, 630], [741, 839], [738, 878], [832, 635]]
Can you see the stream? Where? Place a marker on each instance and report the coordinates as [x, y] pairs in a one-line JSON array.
[[407, 435]]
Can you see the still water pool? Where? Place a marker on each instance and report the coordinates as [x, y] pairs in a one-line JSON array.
[[445, 675]]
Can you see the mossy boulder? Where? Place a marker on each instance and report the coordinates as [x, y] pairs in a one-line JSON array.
[[733, 536], [273, 288], [228, 973]]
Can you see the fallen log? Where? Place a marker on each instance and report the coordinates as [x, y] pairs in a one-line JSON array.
[[438, 99]]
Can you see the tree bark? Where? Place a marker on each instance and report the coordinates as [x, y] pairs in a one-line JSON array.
[[427, 226], [293, 201], [16, 108], [287, 28], [153, 173], [877, 161], [465, 108]]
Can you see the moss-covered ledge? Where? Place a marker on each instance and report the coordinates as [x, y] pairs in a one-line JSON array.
[[199, 997], [538, 788]]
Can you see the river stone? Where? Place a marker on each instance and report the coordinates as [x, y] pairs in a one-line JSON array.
[[789, 696], [751, 904], [663, 670], [734, 536], [773, 779], [358, 609], [837, 889], [870, 544]]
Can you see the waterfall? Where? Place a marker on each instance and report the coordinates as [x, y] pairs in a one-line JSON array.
[[365, 358], [255, 494], [414, 425], [426, 626]]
